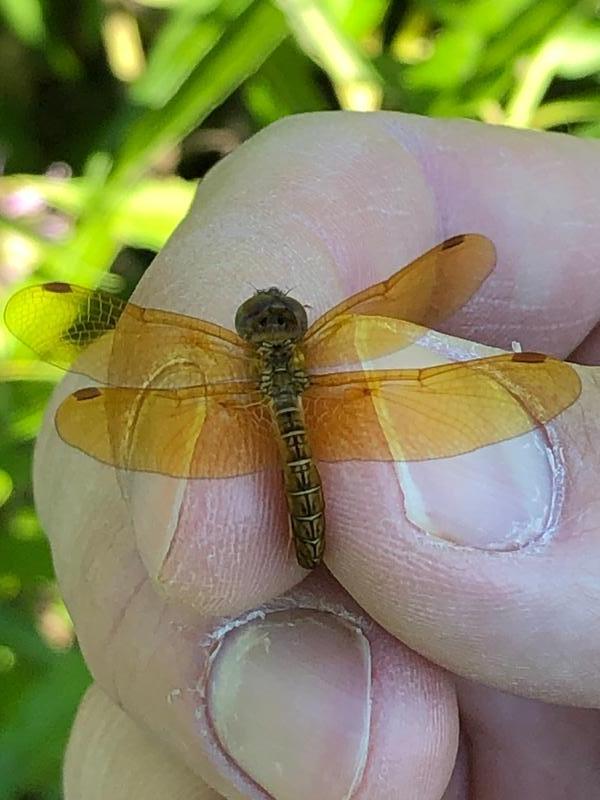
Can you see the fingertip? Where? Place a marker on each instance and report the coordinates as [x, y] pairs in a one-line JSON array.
[[319, 701], [110, 756], [216, 546], [490, 558]]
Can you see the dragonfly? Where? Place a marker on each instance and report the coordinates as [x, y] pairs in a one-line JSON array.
[[187, 398]]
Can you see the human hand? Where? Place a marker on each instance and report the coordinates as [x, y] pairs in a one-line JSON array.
[[314, 692]]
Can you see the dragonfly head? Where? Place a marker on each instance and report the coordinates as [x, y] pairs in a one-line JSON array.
[[271, 316]]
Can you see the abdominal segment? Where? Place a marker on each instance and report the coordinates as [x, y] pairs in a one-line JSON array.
[[302, 482]]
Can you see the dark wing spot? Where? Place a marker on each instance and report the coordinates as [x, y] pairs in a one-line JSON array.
[[89, 393], [57, 287], [453, 241], [529, 358]]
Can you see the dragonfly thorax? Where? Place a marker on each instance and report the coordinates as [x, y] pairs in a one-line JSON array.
[[271, 316]]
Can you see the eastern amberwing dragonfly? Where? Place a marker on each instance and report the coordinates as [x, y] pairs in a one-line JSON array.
[[188, 398]]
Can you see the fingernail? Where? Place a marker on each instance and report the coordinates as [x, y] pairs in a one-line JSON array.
[[500, 497], [289, 698], [154, 502]]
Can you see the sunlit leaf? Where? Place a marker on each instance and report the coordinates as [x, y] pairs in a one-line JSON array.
[[578, 49], [285, 84], [485, 17], [22, 370], [358, 17], [123, 45], [523, 32], [566, 112], [573, 51], [151, 213], [453, 61], [26, 18], [238, 53], [24, 526], [185, 39], [144, 217], [317, 31], [6, 487]]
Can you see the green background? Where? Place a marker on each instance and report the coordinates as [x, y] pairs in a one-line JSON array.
[[111, 112]]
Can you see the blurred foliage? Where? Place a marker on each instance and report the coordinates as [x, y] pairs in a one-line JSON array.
[[109, 114]]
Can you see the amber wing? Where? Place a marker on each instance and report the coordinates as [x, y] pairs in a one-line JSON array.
[[186, 433], [418, 414], [182, 398], [188, 405], [99, 335], [396, 312], [59, 322]]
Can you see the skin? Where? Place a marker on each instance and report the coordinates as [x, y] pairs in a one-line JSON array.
[[349, 682]]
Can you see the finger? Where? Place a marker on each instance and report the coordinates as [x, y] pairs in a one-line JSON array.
[[302, 698], [523, 748], [308, 678], [458, 787], [535, 196], [110, 756], [487, 563], [588, 352]]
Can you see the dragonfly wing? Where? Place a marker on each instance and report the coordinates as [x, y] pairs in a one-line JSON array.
[[348, 341], [418, 414], [424, 293], [186, 433], [99, 335], [59, 321], [429, 289]]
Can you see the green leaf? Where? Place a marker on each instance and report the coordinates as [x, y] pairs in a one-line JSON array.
[[572, 51], [454, 60], [144, 217], [185, 39], [591, 131], [523, 33], [6, 487], [486, 17], [22, 410], [285, 84], [152, 211], [245, 45], [28, 370], [358, 17], [322, 37], [29, 560], [578, 50], [33, 738], [171, 3], [566, 112], [26, 19], [17, 631]]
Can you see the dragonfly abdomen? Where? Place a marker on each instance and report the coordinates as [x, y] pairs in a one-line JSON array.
[[302, 482]]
